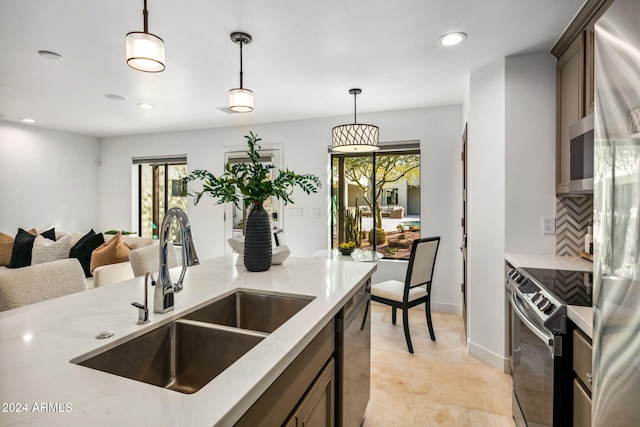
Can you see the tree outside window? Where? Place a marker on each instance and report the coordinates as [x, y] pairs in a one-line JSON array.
[[389, 199]]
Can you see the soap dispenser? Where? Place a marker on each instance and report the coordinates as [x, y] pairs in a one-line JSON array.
[[588, 239]]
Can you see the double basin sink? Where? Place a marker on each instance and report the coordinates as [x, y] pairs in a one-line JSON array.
[[189, 352]]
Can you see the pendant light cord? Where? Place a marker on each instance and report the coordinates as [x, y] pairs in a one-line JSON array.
[[240, 64], [145, 15], [355, 121]]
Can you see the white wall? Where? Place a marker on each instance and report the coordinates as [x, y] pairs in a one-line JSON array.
[[511, 107], [530, 152], [47, 179], [486, 198], [305, 145]]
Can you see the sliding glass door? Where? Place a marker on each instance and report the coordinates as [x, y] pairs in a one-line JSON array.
[[161, 186]]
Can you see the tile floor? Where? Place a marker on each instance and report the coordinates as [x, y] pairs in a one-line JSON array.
[[438, 385]]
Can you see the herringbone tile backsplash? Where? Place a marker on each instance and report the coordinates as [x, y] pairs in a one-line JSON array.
[[572, 216]]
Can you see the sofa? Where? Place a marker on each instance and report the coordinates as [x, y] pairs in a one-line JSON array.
[[99, 270], [391, 211], [40, 282]]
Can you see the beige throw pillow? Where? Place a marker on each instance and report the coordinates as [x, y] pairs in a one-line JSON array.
[[111, 252], [45, 250], [6, 247]]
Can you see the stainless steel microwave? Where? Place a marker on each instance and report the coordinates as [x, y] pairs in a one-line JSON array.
[[581, 156]]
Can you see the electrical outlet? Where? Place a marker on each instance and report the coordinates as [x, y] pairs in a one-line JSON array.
[[548, 225], [315, 212]]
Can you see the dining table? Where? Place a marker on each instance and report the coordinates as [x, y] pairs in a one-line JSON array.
[[358, 255]]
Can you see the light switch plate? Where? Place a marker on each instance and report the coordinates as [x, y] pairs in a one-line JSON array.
[[315, 212], [295, 212]]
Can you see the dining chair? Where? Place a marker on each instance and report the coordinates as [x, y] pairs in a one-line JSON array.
[[416, 288], [111, 273], [148, 259]]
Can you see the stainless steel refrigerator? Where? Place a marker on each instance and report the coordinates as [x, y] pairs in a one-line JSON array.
[[616, 340]]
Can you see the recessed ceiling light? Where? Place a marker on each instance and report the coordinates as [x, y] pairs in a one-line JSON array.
[[26, 120], [452, 39], [50, 55], [146, 105], [114, 97]]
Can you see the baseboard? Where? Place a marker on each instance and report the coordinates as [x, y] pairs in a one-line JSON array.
[[488, 357], [442, 307]]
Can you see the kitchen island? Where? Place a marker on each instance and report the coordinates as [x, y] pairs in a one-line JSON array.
[[40, 386]]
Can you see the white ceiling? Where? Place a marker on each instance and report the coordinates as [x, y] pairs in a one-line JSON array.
[[304, 58]]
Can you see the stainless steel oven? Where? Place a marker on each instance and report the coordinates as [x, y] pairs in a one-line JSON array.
[[540, 353]]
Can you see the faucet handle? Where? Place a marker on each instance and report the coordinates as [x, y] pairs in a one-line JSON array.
[[143, 313]]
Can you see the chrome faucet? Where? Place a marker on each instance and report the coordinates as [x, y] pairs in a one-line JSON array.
[[163, 295]]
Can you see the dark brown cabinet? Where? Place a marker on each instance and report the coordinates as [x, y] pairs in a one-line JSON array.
[[317, 408], [575, 92], [589, 88], [570, 108], [582, 369], [302, 390]]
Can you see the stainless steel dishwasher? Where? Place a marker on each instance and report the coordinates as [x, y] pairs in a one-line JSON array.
[[353, 351]]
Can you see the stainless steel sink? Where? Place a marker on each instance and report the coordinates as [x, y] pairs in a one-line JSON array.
[[182, 356], [191, 351], [251, 310]]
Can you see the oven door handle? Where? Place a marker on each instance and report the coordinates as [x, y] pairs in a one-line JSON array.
[[546, 338]]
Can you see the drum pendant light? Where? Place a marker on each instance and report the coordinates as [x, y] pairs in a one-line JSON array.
[[145, 51], [241, 99], [355, 138]]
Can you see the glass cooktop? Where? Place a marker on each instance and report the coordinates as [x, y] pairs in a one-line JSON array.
[[570, 287]]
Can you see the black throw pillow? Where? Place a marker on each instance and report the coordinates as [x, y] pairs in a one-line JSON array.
[[84, 247], [49, 234], [23, 245], [81, 241]]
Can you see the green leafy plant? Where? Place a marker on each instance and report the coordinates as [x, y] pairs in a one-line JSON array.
[[252, 181], [123, 232]]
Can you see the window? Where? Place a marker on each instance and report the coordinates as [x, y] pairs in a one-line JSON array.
[[378, 211], [161, 186], [389, 196]]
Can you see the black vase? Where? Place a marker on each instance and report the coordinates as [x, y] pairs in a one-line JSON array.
[[257, 240]]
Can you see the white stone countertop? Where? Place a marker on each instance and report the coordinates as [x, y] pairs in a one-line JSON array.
[[553, 262], [38, 341], [581, 316]]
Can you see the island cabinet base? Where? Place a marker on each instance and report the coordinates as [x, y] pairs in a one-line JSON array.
[[303, 391], [317, 409]]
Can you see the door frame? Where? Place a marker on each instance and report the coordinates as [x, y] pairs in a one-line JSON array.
[[465, 226]]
